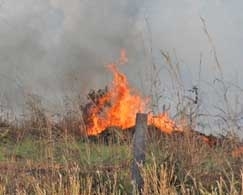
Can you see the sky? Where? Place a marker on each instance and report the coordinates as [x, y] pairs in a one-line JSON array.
[[58, 48]]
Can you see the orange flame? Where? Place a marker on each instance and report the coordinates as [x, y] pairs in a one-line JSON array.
[[122, 108], [119, 105], [163, 122]]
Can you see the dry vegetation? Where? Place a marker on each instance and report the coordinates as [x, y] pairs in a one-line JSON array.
[[38, 157]]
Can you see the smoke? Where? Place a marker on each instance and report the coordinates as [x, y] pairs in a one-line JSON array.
[[176, 27], [55, 48]]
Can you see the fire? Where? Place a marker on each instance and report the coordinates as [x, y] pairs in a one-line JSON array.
[[163, 122], [118, 107], [120, 103]]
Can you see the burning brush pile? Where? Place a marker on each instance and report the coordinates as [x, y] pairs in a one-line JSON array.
[[111, 112], [116, 106]]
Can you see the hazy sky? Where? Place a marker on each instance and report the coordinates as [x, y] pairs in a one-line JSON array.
[[57, 47], [176, 25]]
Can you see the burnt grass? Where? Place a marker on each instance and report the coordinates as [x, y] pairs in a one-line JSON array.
[[46, 153]]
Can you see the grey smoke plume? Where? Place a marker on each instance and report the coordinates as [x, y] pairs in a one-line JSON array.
[[58, 47], [52, 48]]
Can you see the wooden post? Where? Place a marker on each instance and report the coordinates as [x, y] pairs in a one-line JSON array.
[[139, 150]]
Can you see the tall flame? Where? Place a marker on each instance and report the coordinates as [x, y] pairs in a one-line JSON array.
[[119, 105]]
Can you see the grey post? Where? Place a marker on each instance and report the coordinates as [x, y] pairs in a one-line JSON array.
[[139, 149]]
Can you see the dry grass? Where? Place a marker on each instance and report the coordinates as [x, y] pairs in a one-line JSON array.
[[38, 156], [46, 163]]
